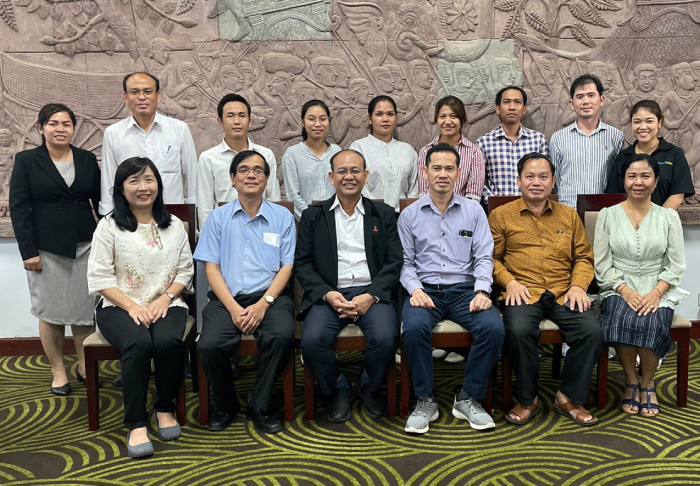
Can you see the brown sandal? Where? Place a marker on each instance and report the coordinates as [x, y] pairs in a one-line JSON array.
[[527, 412], [572, 411]]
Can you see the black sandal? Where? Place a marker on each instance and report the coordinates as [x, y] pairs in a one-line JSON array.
[[648, 405], [632, 401]]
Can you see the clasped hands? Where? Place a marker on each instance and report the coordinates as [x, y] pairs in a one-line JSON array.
[[641, 304], [350, 309], [145, 315], [480, 302], [247, 319]]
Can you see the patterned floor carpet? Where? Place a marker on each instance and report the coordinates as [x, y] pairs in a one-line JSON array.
[[45, 440]]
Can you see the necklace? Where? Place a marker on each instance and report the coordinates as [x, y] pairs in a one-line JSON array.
[[635, 217]]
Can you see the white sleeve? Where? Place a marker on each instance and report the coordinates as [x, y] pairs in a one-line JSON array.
[[273, 192], [206, 193], [188, 161], [109, 169]]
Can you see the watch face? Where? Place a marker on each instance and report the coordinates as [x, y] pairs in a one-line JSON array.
[[269, 299]]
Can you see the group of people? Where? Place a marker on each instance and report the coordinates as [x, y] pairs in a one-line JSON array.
[[355, 257]]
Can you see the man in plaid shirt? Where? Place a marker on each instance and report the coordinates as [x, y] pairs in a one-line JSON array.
[[505, 145]]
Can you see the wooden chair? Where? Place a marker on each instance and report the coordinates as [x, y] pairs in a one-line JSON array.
[[549, 334], [98, 349], [446, 335], [248, 347], [588, 206]]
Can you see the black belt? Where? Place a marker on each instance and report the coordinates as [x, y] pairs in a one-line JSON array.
[[440, 286]]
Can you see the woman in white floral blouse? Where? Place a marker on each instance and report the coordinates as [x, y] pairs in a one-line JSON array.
[[140, 262]]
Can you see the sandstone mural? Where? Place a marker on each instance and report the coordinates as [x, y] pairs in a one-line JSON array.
[[279, 53]]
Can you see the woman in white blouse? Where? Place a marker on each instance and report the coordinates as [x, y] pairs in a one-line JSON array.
[[141, 263], [392, 165], [306, 165]]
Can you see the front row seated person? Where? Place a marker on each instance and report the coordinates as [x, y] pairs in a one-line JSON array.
[[248, 249], [639, 262], [140, 261], [447, 271], [544, 262], [348, 260]]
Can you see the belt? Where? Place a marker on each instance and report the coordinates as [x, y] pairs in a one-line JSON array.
[[440, 286]]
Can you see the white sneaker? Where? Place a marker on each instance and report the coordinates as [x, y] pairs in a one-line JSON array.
[[439, 353], [472, 411], [426, 411], [454, 358]]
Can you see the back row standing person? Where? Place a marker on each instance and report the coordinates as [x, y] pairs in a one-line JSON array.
[[507, 144], [451, 117], [306, 165], [213, 179], [584, 151], [393, 164], [146, 133]]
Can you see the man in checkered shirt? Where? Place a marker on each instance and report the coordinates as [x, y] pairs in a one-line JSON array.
[[505, 145]]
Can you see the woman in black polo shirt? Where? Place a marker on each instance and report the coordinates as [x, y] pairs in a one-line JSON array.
[[674, 182]]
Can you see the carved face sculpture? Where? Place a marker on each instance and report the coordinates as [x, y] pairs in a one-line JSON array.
[[412, 25], [342, 73], [248, 71], [445, 73], [504, 72], [646, 78], [683, 76], [399, 80], [231, 78], [326, 73], [279, 82], [543, 75], [359, 92], [383, 79], [466, 78], [423, 74], [306, 91], [159, 51], [5, 137]]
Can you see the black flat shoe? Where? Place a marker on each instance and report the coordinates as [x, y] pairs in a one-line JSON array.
[[270, 424], [339, 406], [374, 403], [81, 379], [220, 421], [61, 391]]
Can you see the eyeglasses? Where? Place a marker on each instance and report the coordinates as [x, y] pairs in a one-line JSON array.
[[343, 172], [258, 171], [148, 92]]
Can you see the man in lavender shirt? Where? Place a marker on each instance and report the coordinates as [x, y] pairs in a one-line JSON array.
[[447, 271]]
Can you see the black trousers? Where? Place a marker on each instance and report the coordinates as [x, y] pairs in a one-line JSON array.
[[219, 337], [161, 342], [321, 328], [582, 333]]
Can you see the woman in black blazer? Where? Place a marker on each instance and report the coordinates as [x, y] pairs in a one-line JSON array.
[[54, 192]]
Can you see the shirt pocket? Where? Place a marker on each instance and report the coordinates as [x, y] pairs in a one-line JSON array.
[[169, 158], [269, 252], [459, 246]]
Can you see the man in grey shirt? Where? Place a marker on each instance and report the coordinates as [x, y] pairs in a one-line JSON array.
[[447, 271]]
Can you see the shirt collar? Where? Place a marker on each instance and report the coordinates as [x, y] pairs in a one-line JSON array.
[[157, 121], [264, 212], [463, 140], [601, 126], [522, 132], [522, 206], [428, 201], [372, 137], [358, 207], [225, 149]]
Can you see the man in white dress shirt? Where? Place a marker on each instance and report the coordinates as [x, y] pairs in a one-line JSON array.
[[147, 133], [213, 180]]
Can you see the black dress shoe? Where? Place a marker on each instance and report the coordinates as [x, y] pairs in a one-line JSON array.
[[61, 391], [81, 379], [339, 406], [270, 424], [374, 403], [220, 421]]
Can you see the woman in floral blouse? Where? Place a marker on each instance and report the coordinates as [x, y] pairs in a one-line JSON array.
[[140, 262]]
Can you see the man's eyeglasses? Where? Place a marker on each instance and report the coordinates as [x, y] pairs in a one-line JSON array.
[[343, 172], [258, 171], [148, 92]]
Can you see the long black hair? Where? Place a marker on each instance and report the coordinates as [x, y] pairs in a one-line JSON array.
[[310, 104], [122, 214]]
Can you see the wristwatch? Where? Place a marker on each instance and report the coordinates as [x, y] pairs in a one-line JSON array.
[[483, 292], [268, 298], [170, 296]]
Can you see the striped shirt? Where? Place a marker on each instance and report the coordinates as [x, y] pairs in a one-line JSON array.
[[392, 169], [471, 162], [502, 156], [582, 161]]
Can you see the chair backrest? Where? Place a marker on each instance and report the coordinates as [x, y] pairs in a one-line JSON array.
[[596, 202], [188, 215], [404, 203], [496, 201]]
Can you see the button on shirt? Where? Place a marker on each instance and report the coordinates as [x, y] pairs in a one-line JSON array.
[[471, 164], [306, 176], [214, 180], [393, 169], [353, 270], [547, 252], [249, 251], [168, 144], [448, 248], [582, 161], [502, 156]]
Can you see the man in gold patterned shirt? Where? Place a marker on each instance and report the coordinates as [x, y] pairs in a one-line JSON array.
[[544, 262]]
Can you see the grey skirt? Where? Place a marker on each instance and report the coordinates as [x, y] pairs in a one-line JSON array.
[[59, 293], [622, 325]]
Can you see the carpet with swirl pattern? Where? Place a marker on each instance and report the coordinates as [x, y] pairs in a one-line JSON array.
[[45, 440]]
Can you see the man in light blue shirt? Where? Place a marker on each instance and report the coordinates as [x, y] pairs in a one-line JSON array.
[[447, 271], [248, 250]]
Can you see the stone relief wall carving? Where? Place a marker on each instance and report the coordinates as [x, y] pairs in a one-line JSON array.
[[279, 53]]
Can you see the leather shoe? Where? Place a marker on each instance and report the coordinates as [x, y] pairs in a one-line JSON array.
[[61, 391], [270, 424], [374, 403], [220, 421], [339, 406]]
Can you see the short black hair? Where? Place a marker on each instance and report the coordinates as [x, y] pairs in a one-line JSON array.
[[246, 154], [640, 158], [121, 213], [499, 95], [308, 105], [533, 156], [586, 79], [49, 110], [440, 148], [126, 78], [231, 98], [344, 151]]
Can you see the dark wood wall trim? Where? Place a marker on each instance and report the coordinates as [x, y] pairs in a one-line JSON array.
[[29, 346]]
